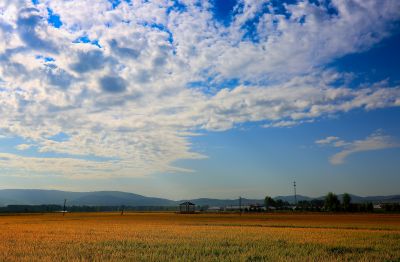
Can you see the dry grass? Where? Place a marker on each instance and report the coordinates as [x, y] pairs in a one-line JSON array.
[[205, 237]]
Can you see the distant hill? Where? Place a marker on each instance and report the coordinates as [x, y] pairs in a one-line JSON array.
[[100, 198], [373, 199], [116, 198], [290, 199], [35, 196]]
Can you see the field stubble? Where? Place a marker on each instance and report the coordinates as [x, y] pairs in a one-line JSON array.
[[200, 237]]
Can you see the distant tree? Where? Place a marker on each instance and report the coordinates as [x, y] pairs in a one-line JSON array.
[[304, 205], [346, 200], [332, 202], [279, 203], [317, 204], [369, 207], [391, 207], [269, 202]]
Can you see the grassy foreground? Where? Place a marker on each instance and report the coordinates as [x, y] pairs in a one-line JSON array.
[[200, 237]]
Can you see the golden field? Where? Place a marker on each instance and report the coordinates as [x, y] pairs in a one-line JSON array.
[[200, 237]]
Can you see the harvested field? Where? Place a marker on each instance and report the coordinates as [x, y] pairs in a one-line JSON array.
[[200, 237]]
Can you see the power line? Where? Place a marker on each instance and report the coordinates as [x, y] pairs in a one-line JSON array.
[[295, 195]]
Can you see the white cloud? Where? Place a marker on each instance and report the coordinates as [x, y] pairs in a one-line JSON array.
[[376, 141], [128, 95], [328, 140], [23, 147], [288, 47]]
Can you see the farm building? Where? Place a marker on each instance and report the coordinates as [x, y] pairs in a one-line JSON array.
[[187, 207]]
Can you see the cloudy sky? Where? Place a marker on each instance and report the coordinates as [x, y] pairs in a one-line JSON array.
[[187, 98]]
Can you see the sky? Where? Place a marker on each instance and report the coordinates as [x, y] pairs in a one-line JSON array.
[[184, 99]]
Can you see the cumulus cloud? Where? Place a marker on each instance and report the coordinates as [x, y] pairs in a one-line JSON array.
[[375, 141], [112, 84], [130, 84], [123, 52], [23, 146], [328, 140], [29, 25], [88, 61]]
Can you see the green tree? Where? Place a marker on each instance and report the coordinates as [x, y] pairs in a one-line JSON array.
[[269, 202], [346, 200], [369, 207], [279, 203], [332, 202]]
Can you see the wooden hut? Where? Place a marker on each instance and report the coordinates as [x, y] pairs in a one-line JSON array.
[[187, 207]]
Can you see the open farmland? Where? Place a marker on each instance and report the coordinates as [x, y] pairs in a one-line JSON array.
[[200, 237]]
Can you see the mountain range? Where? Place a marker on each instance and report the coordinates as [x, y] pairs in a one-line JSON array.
[[117, 198]]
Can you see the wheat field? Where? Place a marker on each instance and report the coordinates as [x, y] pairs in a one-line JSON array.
[[200, 237]]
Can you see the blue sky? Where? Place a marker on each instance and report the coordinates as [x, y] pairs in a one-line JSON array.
[[183, 99]]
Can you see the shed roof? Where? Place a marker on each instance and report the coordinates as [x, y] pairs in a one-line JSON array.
[[187, 203]]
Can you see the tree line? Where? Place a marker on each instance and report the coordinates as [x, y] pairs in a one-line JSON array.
[[330, 203]]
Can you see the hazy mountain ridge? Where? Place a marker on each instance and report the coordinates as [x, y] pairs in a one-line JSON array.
[[291, 199], [98, 198], [117, 198]]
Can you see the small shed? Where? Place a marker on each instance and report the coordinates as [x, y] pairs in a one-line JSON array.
[[187, 207]]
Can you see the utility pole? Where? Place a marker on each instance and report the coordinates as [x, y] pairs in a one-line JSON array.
[[295, 195], [64, 210], [240, 205]]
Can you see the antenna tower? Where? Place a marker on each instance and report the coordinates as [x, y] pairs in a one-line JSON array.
[[64, 210]]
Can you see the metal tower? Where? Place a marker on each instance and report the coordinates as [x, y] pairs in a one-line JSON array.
[[64, 209]]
